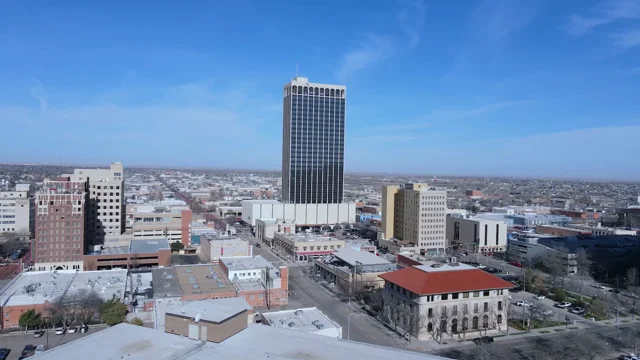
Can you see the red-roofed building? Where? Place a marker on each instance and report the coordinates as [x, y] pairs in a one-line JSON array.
[[444, 300]]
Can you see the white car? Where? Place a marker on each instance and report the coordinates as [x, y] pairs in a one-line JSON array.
[[547, 313], [523, 303], [563, 305], [60, 331], [539, 297], [72, 330], [481, 266]]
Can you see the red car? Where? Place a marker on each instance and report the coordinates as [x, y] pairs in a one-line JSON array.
[[515, 263]]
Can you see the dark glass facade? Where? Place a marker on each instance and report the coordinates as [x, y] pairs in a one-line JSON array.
[[313, 145]]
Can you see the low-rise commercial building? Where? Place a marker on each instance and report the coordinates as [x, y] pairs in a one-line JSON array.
[[443, 300], [578, 215], [38, 289], [207, 320], [215, 246], [309, 320], [137, 254], [266, 228], [260, 282], [561, 230], [352, 270], [476, 234], [305, 246], [174, 226], [528, 252]]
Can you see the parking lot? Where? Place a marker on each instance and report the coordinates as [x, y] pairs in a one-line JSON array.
[[17, 342]]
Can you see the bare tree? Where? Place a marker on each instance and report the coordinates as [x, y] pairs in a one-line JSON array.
[[631, 340], [585, 346], [490, 352]]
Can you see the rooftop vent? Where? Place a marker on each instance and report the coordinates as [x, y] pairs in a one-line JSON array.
[[436, 265], [298, 312], [319, 326], [291, 324]]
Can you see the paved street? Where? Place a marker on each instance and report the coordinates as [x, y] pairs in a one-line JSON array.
[[305, 292], [17, 342], [529, 345]]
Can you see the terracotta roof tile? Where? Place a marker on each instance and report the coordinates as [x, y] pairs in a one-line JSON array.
[[442, 282]]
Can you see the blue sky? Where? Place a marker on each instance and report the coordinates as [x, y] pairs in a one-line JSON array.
[[495, 87]]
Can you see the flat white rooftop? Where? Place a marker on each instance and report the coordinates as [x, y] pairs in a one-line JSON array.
[[307, 319], [351, 256], [245, 262], [434, 266], [36, 287], [257, 342]]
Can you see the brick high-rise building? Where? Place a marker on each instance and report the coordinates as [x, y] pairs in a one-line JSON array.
[[60, 228]]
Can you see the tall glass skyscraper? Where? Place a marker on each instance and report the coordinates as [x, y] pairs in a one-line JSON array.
[[313, 142]]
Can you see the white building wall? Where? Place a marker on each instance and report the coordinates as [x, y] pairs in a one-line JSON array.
[[16, 209], [302, 214]]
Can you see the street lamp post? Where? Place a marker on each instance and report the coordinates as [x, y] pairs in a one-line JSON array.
[[349, 326]]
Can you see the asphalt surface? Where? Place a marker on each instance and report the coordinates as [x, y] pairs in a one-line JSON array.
[[17, 342], [532, 345], [306, 292]]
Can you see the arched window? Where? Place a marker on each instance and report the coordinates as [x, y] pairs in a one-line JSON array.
[[465, 324], [474, 324], [321, 91], [316, 91], [306, 90], [454, 326], [430, 327], [499, 319], [485, 322], [326, 92], [333, 92], [342, 93], [295, 90]]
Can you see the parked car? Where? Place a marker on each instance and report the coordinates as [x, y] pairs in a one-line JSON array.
[[539, 297], [61, 331], [72, 330], [547, 313], [40, 349], [515, 263], [38, 333], [523, 303], [483, 340], [577, 310], [28, 350], [4, 353], [480, 266], [258, 245], [563, 305], [84, 329]]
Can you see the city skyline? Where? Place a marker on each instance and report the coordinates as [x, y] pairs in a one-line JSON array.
[[538, 89]]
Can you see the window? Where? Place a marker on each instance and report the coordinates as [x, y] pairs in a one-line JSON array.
[[430, 312], [486, 307], [499, 305], [475, 308], [445, 297], [454, 311], [454, 295], [465, 295], [476, 293], [485, 293]]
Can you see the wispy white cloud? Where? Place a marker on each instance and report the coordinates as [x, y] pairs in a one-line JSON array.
[[493, 22], [604, 13], [374, 47], [411, 20], [448, 115], [39, 92], [627, 39]]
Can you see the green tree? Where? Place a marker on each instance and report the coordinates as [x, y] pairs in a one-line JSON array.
[[136, 321], [560, 295], [113, 312], [30, 319], [176, 246], [596, 307]]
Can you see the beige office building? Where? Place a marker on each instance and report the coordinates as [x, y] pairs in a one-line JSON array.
[[415, 214], [106, 212]]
